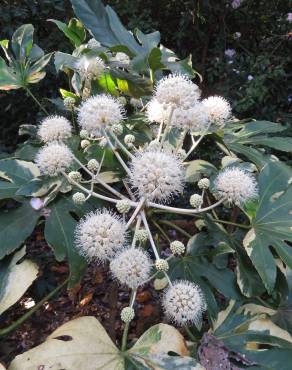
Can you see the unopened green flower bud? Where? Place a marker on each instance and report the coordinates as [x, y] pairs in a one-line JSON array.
[[83, 134], [129, 139]]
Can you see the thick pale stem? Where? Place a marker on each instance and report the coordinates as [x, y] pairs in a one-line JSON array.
[[138, 223], [93, 193], [196, 143], [99, 180], [122, 146], [183, 211], [127, 325], [168, 124], [150, 235], [135, 213], [119, 158]]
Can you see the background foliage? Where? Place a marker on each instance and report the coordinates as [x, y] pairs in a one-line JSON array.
[[257, 79]]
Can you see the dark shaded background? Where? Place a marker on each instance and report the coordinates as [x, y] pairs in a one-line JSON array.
[[202, 28]]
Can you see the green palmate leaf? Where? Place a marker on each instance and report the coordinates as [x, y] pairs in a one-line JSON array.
[[194, 266], [8, 79], [59, 233], [84, 344], [16, 226], [272, 224], [198, 168], [15, 173], [34, 73], [22, 40], [257, 341], [131, 84], [75, 31], [63, 60], [15, 279]]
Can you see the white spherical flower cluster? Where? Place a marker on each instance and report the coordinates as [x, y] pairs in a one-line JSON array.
[[161, 265], [218, 109], [157, 112], [123, 206], [142, 235], [117, 129], [83, 134], [75, 176], [204, 183], [53, 158], [127, 314], [196, 200], [78, 198], [194, 119], [99, 235], [177, 90], [84, 144], [177, 247], [131, 267], [90, 67], [129, 139], [54, 128], [122, 58], [157, 175], [93, 165], [236, 185], [184, 303], [99, 112], [93, 44]]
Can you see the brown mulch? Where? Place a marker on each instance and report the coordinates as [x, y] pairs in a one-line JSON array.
[[97, 295]]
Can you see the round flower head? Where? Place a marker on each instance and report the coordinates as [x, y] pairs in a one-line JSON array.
[[53, 158], [99, 112], [157, 174], [131, 267], [90, 67], [54, 128], [122, 58], [127, 314], [184, 303], [236, 185], [177, 90], [157, 112], [194, 119], [78, 198], [218, 109], [177, 247], [99, 235]]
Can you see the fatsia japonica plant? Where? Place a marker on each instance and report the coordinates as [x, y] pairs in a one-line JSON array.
[[130, 151]]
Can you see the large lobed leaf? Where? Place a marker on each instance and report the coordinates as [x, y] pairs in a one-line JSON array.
[[272, 223], [84, 344], [15, 279]]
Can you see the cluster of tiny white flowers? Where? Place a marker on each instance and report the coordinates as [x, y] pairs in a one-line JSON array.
[[218, 109], [123, 206], [99, 235], [131, 267], [78, 198], [90, 67], [142, 235], [99, 112], [122, 58], [129, 139], [157, 174], [157, 112], [204, 183], [93, 44], [236, 185], [54, 128], [184, 303], [161, 265], [177, 90], [127, 314], [196, 200], [177, 247], [75, 176], [93, 165], [117, 129], [69, 102], [53, 158], [194, 119]]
